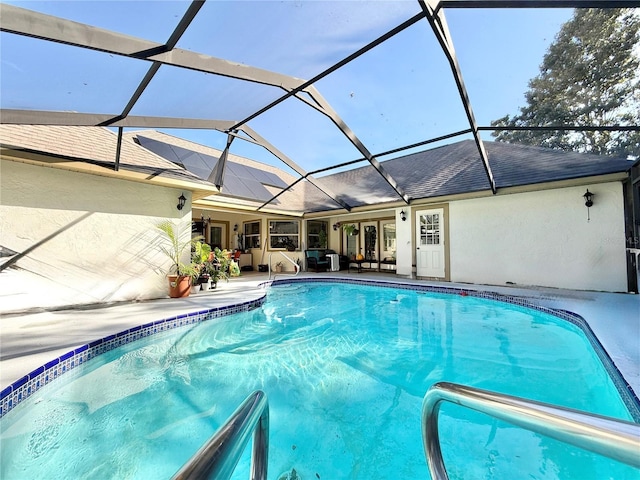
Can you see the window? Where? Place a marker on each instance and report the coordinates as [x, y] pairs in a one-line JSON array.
[[317, 234], [252, 235], [284, 234]]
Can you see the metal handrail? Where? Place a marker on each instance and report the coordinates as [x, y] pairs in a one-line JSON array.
[[218, 457], [295, 266], [613, 438]]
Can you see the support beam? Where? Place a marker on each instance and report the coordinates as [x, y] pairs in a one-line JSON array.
[[46, 27], [573, 128], [295, 90], [292, 165], [217, 175], [44, 117], [441, 30], [537, 4], [325, 108], [116, 163]]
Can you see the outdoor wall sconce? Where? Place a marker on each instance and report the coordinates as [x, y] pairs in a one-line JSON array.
[[181, 201], [588, 202], [588, 199], [336, 226], [235, 227], [403, 216]]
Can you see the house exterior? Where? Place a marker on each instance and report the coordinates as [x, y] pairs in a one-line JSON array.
[[535, 231], [82, 228]]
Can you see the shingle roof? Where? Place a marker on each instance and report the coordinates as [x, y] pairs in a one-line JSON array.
[[448, 170], [95, 145], [302, 197], [457, 168]]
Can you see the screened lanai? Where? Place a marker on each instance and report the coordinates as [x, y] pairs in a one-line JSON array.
[[312, 87]]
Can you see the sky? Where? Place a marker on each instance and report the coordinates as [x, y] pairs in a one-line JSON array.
[[397, 94]]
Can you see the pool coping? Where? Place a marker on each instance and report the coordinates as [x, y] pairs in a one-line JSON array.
[[29, 384], [26, 386]]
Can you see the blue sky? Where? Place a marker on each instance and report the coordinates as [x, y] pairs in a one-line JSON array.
[[397, 94]]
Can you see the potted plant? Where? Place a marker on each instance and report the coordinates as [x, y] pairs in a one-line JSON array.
[[200, 255], [350, 229], [176, 244], [217, 267], [195, 282]]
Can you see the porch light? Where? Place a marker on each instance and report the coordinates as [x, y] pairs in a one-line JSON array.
[[181, 201], [588, 202], [403, 216]]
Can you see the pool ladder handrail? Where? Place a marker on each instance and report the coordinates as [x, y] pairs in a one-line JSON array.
[[613, 438], [219, 456], [295, 266]]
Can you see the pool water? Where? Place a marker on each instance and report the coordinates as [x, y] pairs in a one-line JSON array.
[[345, 368]]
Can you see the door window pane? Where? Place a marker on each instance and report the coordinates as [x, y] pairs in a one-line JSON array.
[[430, 229], [370, 239], [216, 237], [389, 240]]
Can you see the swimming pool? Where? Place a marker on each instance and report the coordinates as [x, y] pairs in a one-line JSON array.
[[345, 368]]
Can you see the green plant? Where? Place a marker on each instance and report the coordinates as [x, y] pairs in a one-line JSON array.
[[200, 253], [218, 275], [175, 242], [218, 266], [350, 229]]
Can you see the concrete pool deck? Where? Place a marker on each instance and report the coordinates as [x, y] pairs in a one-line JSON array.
[[29, 339]]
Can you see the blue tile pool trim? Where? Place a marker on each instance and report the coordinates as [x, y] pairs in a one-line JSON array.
[[627, 394], [23, 388], [31, 383]]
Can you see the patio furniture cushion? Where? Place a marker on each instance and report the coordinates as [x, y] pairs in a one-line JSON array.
[[317, 260]]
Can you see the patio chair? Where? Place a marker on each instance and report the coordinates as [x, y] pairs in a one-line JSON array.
[[317, 260]]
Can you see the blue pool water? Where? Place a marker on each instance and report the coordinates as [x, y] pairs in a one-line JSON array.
[[345, 368]]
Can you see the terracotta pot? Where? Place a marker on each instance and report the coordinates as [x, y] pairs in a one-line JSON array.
[[179, 286]]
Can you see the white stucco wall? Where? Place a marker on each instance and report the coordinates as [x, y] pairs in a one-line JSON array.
[[541, 238], [90, 237], [404, 253]]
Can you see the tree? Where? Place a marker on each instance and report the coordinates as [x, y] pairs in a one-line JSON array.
[[588, 77]]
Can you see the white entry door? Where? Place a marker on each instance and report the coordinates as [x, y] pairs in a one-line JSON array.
[[430, 258]]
